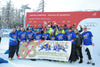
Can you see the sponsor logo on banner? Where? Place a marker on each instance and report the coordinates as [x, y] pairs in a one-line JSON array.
[[44, 49]]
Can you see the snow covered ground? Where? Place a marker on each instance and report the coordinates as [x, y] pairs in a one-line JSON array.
[[42, 63]]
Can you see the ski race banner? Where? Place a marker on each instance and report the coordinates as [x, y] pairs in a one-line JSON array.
[[44, 49]]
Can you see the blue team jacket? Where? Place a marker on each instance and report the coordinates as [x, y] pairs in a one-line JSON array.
[[46, 36], [22, 35], [87, 38], [12, 38], [37, 36], [52, 37], [18, 31], [30, 35], [60, 37], [71, 36]]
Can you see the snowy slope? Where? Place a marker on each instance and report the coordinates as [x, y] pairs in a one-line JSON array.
[[41, 63]]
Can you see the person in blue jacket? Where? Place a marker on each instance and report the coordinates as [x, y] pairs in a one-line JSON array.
[[45, 35], [29, 35], [71, 36], [88, 44], [22, 35], [52, 36], [60, 36], [12, 43], [40, 29], [38, 35], [27, 28], [34, 31], [17, 32]]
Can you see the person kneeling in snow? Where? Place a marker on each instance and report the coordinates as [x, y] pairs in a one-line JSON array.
[[12, 43]]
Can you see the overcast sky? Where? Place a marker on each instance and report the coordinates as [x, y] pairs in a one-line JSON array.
[[58, 5]]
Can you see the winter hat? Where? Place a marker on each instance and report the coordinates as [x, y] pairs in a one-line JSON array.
[[28, 25], [55, 23], [65, 25], [40, 25], [45, 22], [69, 28], [30, 28], [49, 26]]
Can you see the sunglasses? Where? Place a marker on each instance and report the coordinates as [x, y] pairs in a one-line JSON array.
[[84, 28]]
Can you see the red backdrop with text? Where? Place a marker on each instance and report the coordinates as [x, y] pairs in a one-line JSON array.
[[69, 18]]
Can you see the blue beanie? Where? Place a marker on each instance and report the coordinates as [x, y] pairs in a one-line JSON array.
[[40, 25], [37, 30], [28, 25], [30, 28]]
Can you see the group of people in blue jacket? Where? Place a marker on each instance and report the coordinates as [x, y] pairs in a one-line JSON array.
[[55, 33]]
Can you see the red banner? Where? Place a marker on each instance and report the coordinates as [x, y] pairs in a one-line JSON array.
[[69, 18]]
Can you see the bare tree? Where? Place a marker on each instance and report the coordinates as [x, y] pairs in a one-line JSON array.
[[41, 6], [11, 17]]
